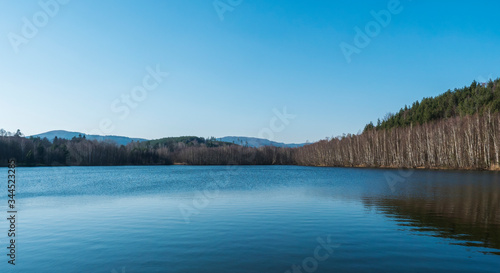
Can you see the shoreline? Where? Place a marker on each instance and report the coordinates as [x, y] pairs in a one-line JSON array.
[[493, 168]]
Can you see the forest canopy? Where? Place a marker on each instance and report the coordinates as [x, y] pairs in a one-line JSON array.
[[476, 98]]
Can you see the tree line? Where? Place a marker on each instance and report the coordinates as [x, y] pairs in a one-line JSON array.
[[457, 130], [78, 151], [470, 142]]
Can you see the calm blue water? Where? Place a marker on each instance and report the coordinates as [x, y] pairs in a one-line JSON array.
[[253, 219]]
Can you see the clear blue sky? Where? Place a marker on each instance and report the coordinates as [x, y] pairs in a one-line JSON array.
[[226, 76]]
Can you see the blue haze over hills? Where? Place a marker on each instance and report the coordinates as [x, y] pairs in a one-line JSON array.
[[122, 140]]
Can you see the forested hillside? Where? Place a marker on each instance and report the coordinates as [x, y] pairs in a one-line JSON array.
[[80, 151], [476, 98], [258, 142], [470, 142], [173, 143], [459, 129], [61, 134]]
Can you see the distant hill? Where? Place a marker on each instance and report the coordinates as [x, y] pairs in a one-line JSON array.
[[169, 141], [257, 142], [186, 141], [120, 140]]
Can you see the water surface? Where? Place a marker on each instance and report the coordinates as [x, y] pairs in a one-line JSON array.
[[253, 219]]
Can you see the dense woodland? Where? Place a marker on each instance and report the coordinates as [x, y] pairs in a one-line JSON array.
[[476, 98], [470, 142], [458, 130], [75, 152]]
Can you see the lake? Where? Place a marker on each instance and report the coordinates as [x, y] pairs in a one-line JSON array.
[[252, 219]]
